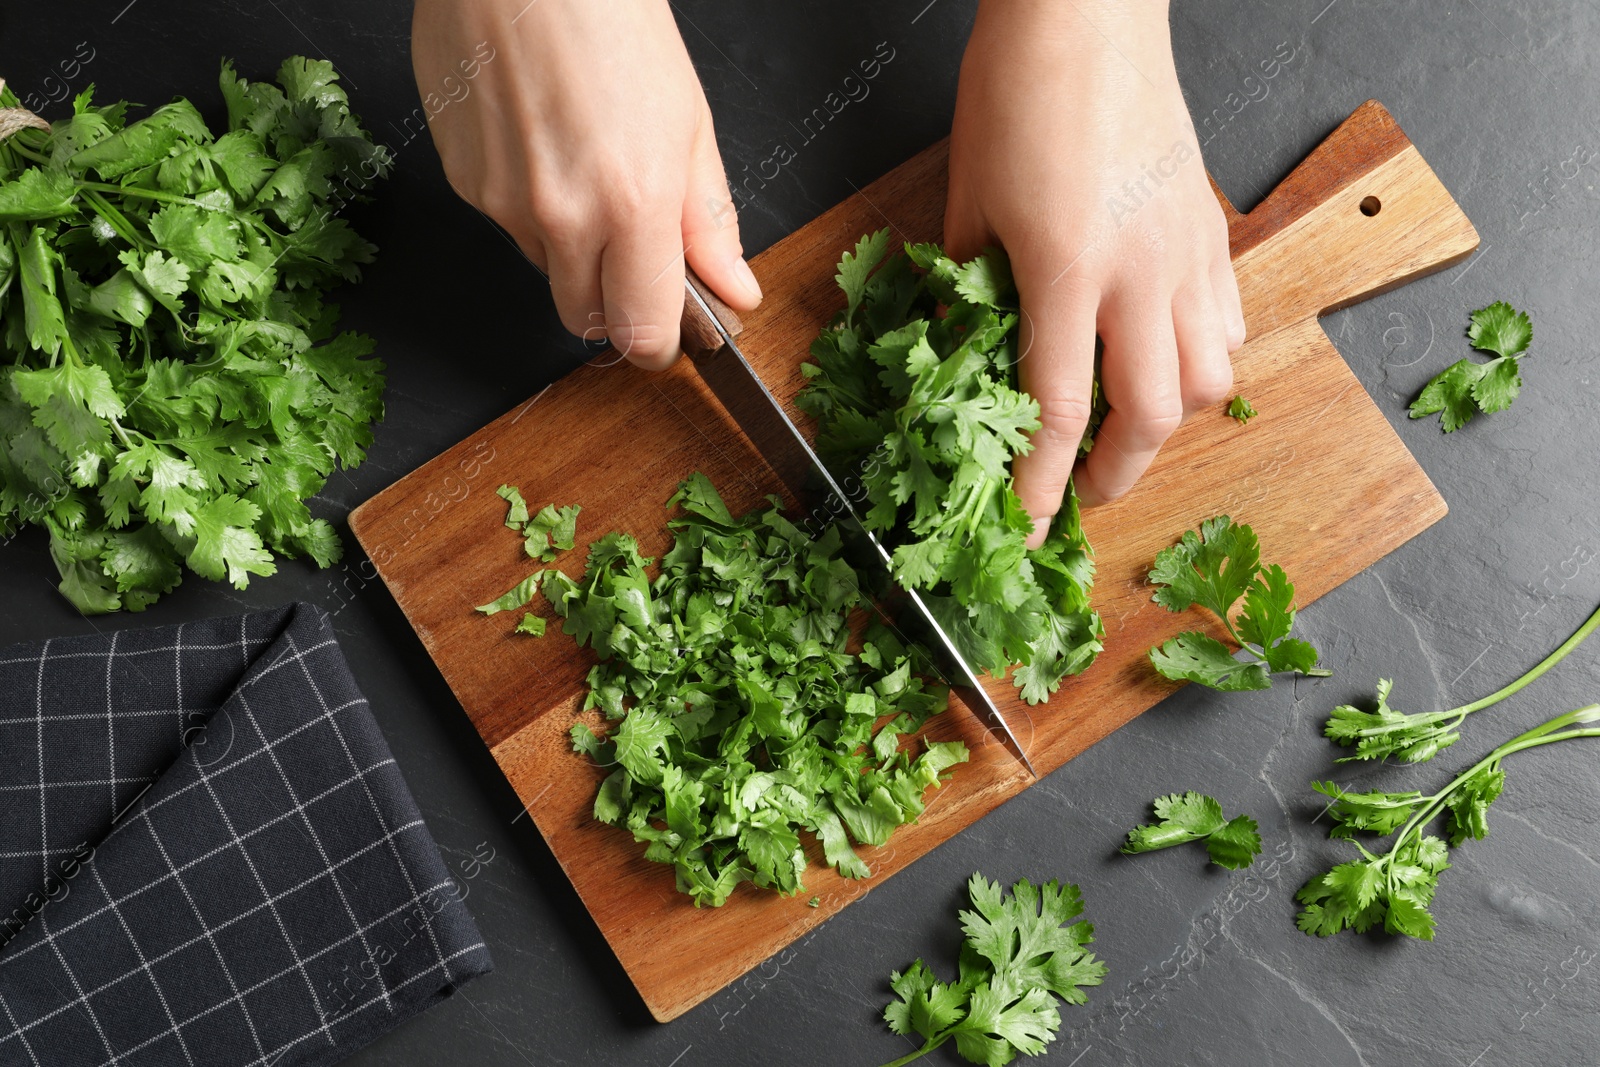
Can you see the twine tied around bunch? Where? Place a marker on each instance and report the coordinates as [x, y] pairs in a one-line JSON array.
[[13, 119]]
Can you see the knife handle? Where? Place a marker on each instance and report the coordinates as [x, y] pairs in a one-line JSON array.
[[698, 334]]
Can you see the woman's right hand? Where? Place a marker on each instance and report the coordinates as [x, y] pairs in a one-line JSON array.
[[586, 135]]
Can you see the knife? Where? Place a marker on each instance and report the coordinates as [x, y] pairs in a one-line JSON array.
[[708, 330]]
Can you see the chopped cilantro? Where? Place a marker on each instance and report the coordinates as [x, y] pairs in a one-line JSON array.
[[735, 716], [1241, 409]]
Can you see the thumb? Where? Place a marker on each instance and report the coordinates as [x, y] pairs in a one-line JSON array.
[[711, 227]]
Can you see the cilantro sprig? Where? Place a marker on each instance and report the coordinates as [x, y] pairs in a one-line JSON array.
[[1020, 954], [1184, 817], [1467, 387], [1215, 568], [735, 716], [914, 388], [1418, 737], [1394, 889], [173, 389]]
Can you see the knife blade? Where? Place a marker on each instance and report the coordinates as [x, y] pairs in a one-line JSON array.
[[708, 332]]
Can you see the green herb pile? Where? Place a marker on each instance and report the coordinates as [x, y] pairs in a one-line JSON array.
[[1393, 889], [923, 411], [737, 715], [1465, 388], [1020, 954], [1215, 568], [1184, 817], [173, 389]]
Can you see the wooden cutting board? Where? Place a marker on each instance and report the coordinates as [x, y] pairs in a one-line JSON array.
[[1320, 474]]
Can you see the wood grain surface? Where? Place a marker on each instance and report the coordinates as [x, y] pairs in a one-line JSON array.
[[1320, 474]]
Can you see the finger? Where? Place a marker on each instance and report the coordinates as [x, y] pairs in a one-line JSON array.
[[966, 233], [574, 272], [1205, 374], [641, 282], [1225, 291], [1139, 374], [711, 228], [1056, 368]]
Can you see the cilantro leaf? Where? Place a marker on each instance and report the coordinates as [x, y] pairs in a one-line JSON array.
[[1501, 329], [854, 269], [226, 543], [1469, 805], [1021, 953], [550, 532], [515, 597], [1242, 410], [1236, 844], [1386, 732], [1465, 388], [1214, 568], [1196, 657], [517, 511], [1375, 812], [1185, 817]]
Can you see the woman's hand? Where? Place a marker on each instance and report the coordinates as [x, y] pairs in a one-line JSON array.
[[1073, 150], [587, 137]]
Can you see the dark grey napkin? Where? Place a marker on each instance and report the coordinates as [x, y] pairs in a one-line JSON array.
[[208, 855]]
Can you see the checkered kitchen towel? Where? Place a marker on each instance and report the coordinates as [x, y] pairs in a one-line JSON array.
[[208, 855]]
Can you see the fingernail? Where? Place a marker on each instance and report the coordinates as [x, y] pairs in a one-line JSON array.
[[746, 277]]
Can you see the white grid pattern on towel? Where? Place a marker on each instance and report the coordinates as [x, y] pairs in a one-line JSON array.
[[221, 816]]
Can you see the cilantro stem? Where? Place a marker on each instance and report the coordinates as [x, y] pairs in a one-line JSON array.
[[1543, 665], [122, 434], [27, 153], [932, 1044], [147, 194], [114, 218]]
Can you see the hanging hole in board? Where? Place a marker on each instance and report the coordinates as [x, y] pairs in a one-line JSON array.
[[1371, 206]]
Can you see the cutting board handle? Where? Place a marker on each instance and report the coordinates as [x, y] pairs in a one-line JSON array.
[[697, 332], [1362, 214]]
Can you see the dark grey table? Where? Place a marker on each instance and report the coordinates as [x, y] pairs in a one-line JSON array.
[[1206, 966]]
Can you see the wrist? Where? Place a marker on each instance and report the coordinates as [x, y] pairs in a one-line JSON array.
[[1081, 27]]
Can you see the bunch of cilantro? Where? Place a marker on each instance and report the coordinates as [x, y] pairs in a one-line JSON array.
[[914, 387], [172, 388], [740, 712]]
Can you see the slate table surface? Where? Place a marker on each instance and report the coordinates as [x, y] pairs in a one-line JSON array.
[[1206, 967]]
